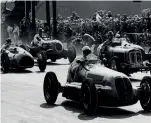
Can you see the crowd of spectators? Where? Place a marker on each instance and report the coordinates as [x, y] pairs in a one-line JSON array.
[[101, 22]]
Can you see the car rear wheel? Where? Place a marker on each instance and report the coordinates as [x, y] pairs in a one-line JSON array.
[[145, 94], [89, 97], [71, 53], [42, 61], [5, 62], [51, 87]]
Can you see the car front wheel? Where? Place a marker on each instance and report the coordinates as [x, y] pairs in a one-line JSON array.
[[51, 88], [145, 94], [89, 97]]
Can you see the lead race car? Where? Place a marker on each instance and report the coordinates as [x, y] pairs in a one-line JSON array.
[[17, 58], [123, 56], [53, 49], [94, 85]]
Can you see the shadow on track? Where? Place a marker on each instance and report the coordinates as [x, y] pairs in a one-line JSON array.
[[134, 79], [54, 63], [45, 105], [102, 112], [17, 71], [144, 113], [110, 113]]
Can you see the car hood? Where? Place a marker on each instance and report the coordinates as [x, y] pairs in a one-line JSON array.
[[101, 73], [130, 45], [122, 48]]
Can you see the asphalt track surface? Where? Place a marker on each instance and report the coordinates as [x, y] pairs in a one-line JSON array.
[[22, 100]]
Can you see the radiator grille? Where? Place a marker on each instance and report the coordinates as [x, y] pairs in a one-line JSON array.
[[124, 89]]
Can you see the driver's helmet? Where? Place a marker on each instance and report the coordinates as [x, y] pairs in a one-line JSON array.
[[8, 40], [110, 33], [86, 50]]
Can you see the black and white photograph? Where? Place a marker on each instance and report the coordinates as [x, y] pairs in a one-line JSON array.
[[75, 61]]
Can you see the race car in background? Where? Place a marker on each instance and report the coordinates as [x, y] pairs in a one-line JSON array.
[[123, 56], [53, 49], [94, 85], [18, 58]]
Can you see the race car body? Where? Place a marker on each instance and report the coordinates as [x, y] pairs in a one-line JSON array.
[[54, 50], [125, 57], [16, 57], [94, 85]]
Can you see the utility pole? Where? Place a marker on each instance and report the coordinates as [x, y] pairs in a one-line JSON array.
[[54, 20], [33, 15], [48, 15], [26, 10]]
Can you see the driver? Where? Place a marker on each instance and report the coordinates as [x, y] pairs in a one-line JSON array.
[[38, 38], [75, 67], [6, 45], [86, 50], [108, 41]]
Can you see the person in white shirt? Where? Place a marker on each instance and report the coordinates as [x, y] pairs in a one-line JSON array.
[[10, 32], [16, 33]]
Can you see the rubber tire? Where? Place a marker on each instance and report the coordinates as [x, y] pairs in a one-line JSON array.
[[147, 80], [71, 53], [54, 88], [117, 65], [92, 106], [6, 63], [42, 62]]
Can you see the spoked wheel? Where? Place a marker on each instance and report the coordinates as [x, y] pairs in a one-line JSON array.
[[71, 53], [42, 61], [51, 88], [145, 94], [5, 62], [89, 97]]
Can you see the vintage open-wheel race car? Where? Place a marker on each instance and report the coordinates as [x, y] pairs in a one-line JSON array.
[[17, 58], [94, 85], [123, 56], [53, 49]]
